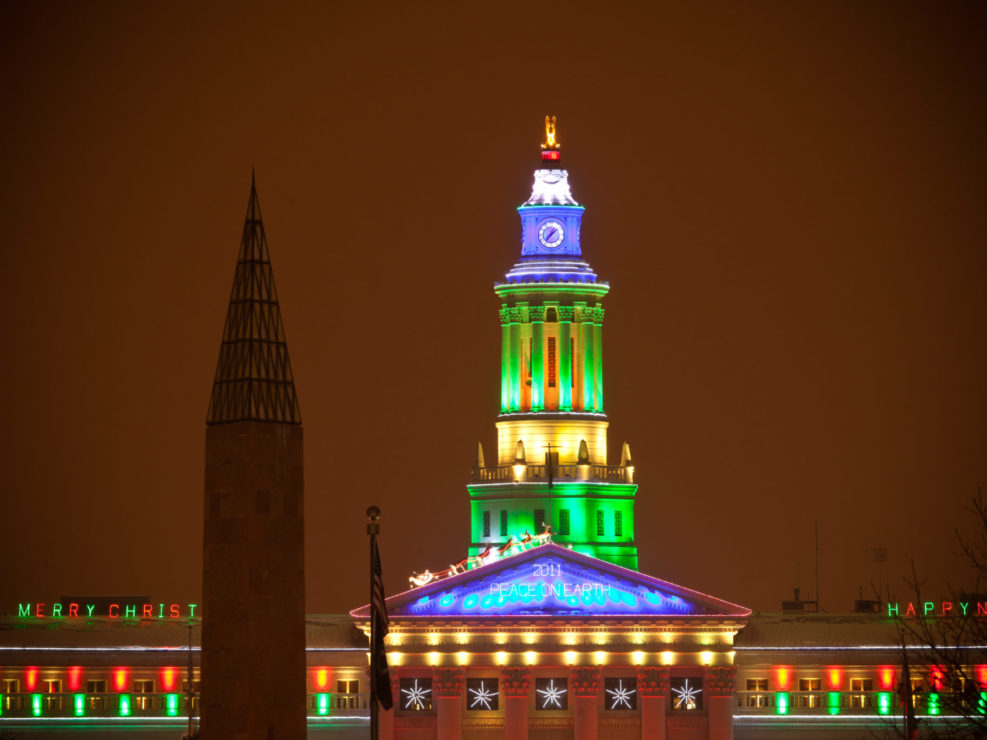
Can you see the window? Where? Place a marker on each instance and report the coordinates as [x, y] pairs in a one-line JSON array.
[[755, 697], [563, 521], [551, 314], [865, 686], [551, 693], [96, 686], [621, 693], [486, 524], [416, 694], [618, 523], [687, 694], [600, 526], [143, 686], [503, 522], [482, 695], [347, 691], [807, 699], [53, 685], [551, 362], [539, 521], [11, 686]]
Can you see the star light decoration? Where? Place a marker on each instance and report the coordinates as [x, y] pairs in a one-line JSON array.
[[552, 694], [483, 697], [416, 696], [621, 697], [686, 695]]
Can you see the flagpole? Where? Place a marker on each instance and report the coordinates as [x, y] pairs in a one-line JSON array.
[[373, 529]]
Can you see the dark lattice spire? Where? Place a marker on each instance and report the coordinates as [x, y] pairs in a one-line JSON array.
[[253, 377]]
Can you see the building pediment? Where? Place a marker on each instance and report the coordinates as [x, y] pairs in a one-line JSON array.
[[553, 581]]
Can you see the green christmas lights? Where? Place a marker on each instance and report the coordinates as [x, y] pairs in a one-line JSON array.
[[322, 704]]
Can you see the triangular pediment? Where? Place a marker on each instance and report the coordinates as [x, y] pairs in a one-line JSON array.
[[553, 581]]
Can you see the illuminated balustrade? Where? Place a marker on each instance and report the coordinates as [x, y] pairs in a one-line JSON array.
[[79, 704], [560, 473], [883, 703], [337, 704]]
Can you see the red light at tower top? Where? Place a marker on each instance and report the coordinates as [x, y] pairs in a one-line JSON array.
[[550, 149]]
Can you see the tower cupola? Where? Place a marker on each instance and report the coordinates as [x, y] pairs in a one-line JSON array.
[[551, 399]]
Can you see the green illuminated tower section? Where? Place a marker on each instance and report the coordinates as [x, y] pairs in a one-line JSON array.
[[552, 465]]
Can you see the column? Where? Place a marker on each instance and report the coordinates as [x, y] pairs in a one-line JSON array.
[[536, 314], [719, 687], [447, 694], [589, 363], [598, 358], [565, 358], [385, 720], [514, 357], [505, 360], [515, 684], [585, 687], [652, 691]]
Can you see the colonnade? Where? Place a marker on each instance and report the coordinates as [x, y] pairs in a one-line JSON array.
[[579, 379]]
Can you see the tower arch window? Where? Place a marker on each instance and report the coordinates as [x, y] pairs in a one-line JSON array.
[[551, 362], [551, 314]]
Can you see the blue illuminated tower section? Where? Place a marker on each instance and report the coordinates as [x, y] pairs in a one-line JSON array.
[[552, 465]]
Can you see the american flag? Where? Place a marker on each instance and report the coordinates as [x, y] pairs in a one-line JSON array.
[[379, 622]]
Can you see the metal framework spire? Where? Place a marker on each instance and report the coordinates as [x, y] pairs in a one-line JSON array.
[[253, 377]]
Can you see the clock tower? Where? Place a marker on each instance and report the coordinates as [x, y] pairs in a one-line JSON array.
[[552, 466]]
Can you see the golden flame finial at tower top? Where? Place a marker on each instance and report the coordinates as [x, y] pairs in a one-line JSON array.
[[550, 142]]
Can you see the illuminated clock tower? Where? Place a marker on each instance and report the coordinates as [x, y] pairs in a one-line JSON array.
[[552, 467]]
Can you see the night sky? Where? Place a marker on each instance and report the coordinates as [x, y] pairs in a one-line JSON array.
[[788, 200]]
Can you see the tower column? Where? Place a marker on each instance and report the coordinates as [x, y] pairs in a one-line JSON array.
[[585, 684], [536, 315], [447, 691], [719, 684], [565, 358], [597, 314], [652, 691], [514, 357], [587, 365], [505, 360], [514, 686]]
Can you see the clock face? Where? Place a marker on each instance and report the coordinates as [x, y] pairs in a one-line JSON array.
[[551, 234]]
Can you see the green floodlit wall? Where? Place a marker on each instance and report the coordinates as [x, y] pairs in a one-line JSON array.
[[581, 500]]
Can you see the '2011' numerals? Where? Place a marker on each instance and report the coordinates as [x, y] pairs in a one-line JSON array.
[[547, 570]]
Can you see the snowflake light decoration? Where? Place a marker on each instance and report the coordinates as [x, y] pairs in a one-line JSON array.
[[621, 697], [483, 697], [686, 695], [416, 696], [552, 694]]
